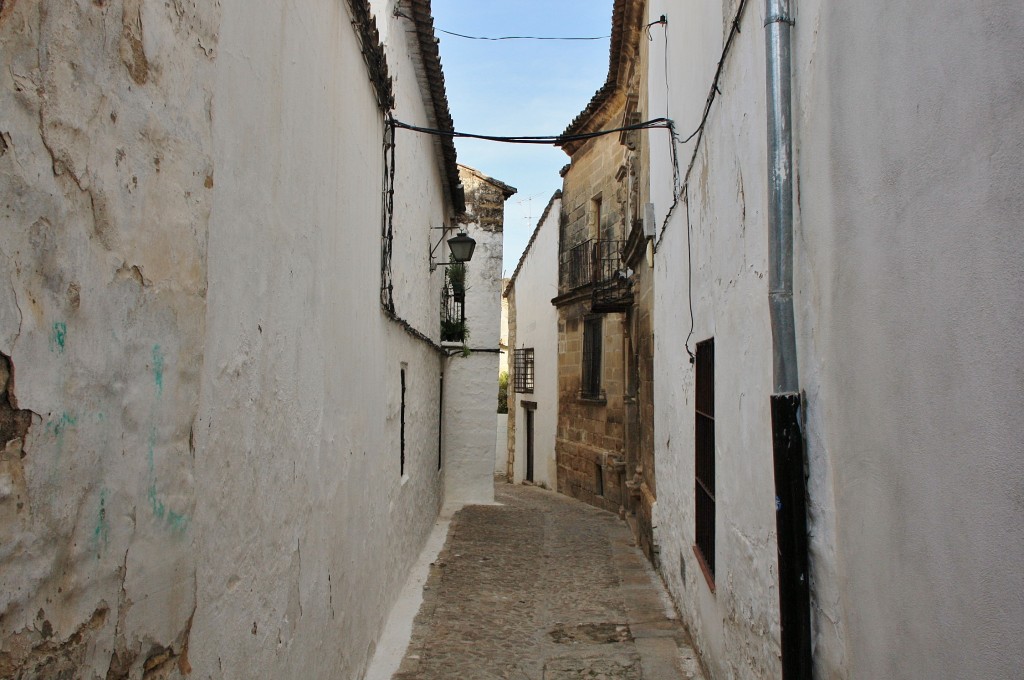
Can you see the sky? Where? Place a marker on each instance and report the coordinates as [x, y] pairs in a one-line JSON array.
[[520, 87]]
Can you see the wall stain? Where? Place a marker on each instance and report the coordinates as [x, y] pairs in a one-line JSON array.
[[101, 534], [158, 369], [37, 653], [133, 53], [58, 337], [175, 521], [14, 422]]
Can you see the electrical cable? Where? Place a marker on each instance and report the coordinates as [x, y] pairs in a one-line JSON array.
[[399, 13], [698, 134], [537, 139], [681, 189], [689, 270], [518, 37]]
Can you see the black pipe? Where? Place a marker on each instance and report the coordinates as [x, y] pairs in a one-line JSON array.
[[791, 527]]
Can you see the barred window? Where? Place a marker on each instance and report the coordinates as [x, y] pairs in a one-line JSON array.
[[704, 426], [522, 370], [590, 385]]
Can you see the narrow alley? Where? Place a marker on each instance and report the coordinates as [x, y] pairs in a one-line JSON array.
[[544, 587], [462, 340]]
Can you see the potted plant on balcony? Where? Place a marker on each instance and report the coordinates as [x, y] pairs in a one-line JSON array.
[[457, 280], [453, 330]]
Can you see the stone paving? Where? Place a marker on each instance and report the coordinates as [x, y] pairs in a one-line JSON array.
[[543, 587]]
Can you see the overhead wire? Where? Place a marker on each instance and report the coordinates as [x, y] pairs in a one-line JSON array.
[[519, 37], [680, 181], [399, 13], [681, 189], [537, 139]]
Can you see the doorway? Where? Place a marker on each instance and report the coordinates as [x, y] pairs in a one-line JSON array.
[[529, 445], [529, 410]]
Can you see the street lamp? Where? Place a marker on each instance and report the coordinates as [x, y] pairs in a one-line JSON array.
[[461, 245]]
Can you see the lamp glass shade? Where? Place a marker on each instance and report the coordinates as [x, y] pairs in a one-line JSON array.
[[462, 247]]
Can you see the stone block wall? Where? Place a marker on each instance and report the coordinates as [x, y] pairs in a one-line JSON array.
[[590, 438]]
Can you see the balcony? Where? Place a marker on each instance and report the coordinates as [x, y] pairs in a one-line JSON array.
[[589, 263], [453, 306]]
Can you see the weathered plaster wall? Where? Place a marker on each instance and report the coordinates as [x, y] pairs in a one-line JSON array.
[[911, 159], [301, 417], [536, 284], [471, 382], [105, 176], [202, 397], [501, 445], [908, 133], [736, 627], [503, 341]]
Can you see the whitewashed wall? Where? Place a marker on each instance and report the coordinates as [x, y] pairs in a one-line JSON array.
[[211, 482], [537, 327], [471, 382], [910, 244], [736, 627], [501, 445], [106, 169], [908, 139]]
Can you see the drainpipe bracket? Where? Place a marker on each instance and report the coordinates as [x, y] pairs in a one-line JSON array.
[[779, 19]]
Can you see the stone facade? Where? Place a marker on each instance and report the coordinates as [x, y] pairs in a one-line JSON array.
[[605, 436]]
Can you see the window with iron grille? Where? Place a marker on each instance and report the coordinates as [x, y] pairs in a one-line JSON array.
[[522, 370], [704, 432], [590, 385], [453, 306]]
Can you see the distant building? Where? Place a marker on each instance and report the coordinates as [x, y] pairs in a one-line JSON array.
[[604, 443], [470, 378], [533, 338]]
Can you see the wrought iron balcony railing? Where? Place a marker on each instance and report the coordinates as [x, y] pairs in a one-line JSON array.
[[589, 263], [453, 313]]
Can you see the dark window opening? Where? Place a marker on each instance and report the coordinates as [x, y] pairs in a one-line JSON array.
[[590, 385], [704, 433], [440, 422], [598, 479], [453, 304], [402, 441], [522, 370]]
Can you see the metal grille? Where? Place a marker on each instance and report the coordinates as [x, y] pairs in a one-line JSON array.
[[453, 314], [576, 266], [608, 257], [522, 370], [704, 426], [590, 262], [591, 383]]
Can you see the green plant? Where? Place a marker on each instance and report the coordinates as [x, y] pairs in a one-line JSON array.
[[503, 392], [453, 330], [456, 274]]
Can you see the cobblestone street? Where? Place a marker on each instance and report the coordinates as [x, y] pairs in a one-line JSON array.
[[543, 587]]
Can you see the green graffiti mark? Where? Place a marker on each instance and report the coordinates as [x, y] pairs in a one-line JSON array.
[[58, 336], [101, 534], [177, 522], [156, 503], [57, 428], [158, 369]]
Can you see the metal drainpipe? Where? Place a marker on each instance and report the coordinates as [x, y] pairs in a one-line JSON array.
[[787, 438]]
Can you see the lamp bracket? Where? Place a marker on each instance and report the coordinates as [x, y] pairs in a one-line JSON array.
[[444, 232]]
